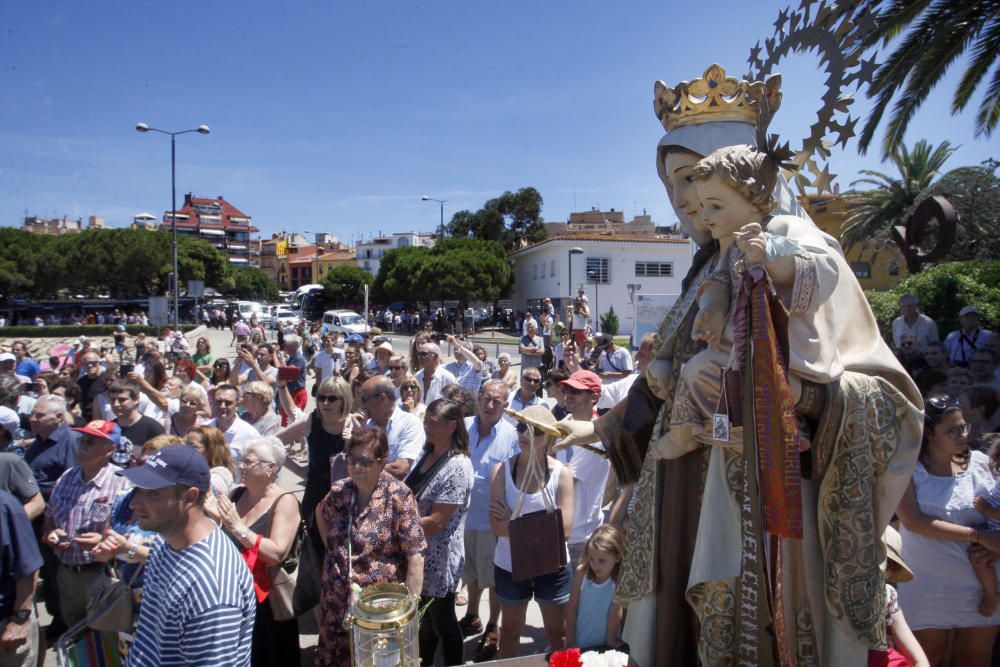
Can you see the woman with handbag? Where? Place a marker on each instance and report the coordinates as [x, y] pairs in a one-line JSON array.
[[527, 487], [372, 531], [263, 520], [441, 481]]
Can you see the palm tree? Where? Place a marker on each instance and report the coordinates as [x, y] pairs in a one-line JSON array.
[[877, 210], [939, 33]]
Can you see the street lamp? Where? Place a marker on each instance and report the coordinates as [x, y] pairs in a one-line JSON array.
[[201, 129], [633, 291], [592, 276], [441, 202]]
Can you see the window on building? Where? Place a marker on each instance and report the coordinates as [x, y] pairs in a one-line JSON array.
[[552, 268], [862, 269], [654, 269], [893, 268], [598, 270], [403, 242], [534, 272]]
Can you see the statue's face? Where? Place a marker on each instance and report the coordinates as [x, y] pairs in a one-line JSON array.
[[677, 166], [723, 210]]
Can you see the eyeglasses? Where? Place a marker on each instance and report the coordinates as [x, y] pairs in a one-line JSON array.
[[247, 463], [573, 391], [425, 354], [522, 428], [361, 461], [91, 363], [956, 432], [396, 368], [188, 401], [531, 380], [327, 398], [410, 387]]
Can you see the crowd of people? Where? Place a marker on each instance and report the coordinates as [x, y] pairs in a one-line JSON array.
[[163, 461]]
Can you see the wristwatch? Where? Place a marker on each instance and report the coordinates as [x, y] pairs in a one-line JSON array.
[[243, 534], [20, 616]]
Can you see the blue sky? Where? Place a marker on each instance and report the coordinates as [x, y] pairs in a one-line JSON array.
[[338, 116]]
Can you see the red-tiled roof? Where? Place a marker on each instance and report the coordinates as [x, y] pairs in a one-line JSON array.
[[604, 238]]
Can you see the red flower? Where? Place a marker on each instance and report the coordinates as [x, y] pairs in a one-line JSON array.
[[568, 658]]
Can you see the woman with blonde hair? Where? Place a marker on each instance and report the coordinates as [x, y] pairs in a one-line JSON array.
[[191, 412], [411, 396], [325, 431], [211, 442], [258, 400]]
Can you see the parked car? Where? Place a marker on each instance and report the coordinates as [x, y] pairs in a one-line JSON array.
[[247, 309], [346, 322], [282, 318]]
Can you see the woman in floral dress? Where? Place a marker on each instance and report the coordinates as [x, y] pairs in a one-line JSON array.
[[441, 481], [372, 531]]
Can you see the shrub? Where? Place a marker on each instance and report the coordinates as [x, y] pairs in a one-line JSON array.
[[609, 322]]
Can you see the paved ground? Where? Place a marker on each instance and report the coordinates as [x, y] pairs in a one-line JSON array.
[[292, 478]]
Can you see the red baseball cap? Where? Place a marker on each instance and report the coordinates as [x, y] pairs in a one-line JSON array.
[[585, 380]]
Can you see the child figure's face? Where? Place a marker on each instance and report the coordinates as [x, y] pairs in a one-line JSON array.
[[723, 210], [603, 564]]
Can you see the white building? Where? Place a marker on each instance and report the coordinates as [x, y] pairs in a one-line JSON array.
[[370, 253], [607, 265]]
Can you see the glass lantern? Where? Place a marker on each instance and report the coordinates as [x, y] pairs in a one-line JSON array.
[[384, 627]]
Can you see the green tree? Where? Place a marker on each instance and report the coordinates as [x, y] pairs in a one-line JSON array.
[[975, 194], [345, 284], [609, 322], [891, 198], [252, 283], [513, 219], [943, 290], [397, 275], [464, 270], [937, 34]]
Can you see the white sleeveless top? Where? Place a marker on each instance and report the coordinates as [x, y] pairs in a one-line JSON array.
[[532, 503]]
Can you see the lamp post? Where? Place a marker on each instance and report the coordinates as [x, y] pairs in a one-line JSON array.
[[633, 290], [592, 276], [201, 129], [572, 251], [441, 202]]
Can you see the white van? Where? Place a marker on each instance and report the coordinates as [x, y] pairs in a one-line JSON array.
[[346, 322], [247, 309]]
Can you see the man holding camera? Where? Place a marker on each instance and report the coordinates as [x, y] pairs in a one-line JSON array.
[[614, 362], [912, 328]]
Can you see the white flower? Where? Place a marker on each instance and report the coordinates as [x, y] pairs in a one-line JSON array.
[[606, 659]]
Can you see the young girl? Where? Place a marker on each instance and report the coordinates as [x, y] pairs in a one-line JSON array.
[[904, 649], [593, 618]]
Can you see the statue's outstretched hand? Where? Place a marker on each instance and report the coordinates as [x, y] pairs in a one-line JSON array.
[[575, 433]]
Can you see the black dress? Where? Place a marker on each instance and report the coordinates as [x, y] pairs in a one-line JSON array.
[[322, 446], [274, 642]]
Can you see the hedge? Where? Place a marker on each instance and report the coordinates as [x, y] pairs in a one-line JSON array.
[[76, 330]]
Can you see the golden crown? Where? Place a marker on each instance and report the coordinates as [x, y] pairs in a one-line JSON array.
[[714, 98]]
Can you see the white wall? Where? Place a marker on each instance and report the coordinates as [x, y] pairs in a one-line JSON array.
[[541, 271]]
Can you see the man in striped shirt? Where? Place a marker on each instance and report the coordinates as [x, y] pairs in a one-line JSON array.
[[198, 600]]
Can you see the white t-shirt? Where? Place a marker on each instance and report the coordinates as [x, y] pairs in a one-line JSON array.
[[327, 363], [619, 361], [590, 475], [237, 435], [405, 433]]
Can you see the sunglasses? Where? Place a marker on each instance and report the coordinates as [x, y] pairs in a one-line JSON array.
[[425, 354], [531, 380], [327, 398], [361, 461], [396, 368], [522, 428], [936, 406], [959, 431], [573, 391]]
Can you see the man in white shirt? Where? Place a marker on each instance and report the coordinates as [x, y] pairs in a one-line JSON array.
[[404, 431], [912, 328], [327, 361], [432, 376], [590, 470], [491, 440], [615, 362], [961, 343], [236, 431], [531, 381], [614, 392]]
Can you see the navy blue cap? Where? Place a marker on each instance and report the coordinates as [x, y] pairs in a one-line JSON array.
[[176, 464]]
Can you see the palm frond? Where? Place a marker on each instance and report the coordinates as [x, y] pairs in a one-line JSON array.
[[984, 54], [989, 110], [893, 19]]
